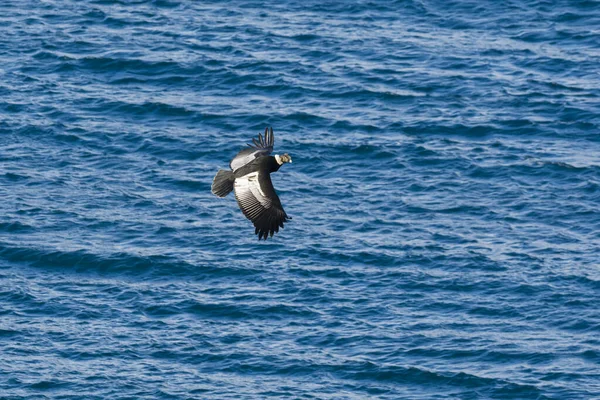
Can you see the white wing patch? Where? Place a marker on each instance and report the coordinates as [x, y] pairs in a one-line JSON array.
[[246, 156]]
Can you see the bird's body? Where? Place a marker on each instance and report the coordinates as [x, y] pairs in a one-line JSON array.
[[266, 163], [250, 178]]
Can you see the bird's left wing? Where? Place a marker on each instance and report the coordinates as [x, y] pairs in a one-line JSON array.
[[258, 201], [263, 146]]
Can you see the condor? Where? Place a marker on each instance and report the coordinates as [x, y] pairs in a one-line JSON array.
[[250, 178]]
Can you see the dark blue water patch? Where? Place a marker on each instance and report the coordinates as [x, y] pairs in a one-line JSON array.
[[153, 110], [82, 262], [15, 227], [8, 333]]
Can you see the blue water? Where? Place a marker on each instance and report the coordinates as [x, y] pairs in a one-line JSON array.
[[445, 195]]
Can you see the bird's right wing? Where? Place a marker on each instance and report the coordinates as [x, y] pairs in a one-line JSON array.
[[261, 147], [258, 201]]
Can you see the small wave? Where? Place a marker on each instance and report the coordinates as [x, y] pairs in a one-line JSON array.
[[13, 177], [7, 333], [15, 227], [110, 64], [48, 385], [158, 109], [81, 261]]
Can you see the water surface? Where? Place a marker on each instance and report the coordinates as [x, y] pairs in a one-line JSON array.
[[445, 191]]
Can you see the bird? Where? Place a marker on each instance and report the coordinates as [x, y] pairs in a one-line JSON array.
[[250, 179]]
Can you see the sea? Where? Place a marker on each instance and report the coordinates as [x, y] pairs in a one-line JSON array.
[[444, 195]]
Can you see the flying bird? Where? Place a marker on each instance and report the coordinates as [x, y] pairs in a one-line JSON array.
[[250, 178]]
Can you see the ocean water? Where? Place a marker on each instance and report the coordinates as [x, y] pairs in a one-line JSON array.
[[445, 195]]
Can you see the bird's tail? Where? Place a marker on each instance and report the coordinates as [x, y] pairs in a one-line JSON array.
[[223, 183]]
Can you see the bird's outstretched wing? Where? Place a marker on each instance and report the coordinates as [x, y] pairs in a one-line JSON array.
[[258, 201], [263, 146]]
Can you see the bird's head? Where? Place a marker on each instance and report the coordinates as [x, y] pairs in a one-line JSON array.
[[284, 158]]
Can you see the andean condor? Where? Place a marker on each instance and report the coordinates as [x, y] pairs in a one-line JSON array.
[[250, 177]]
